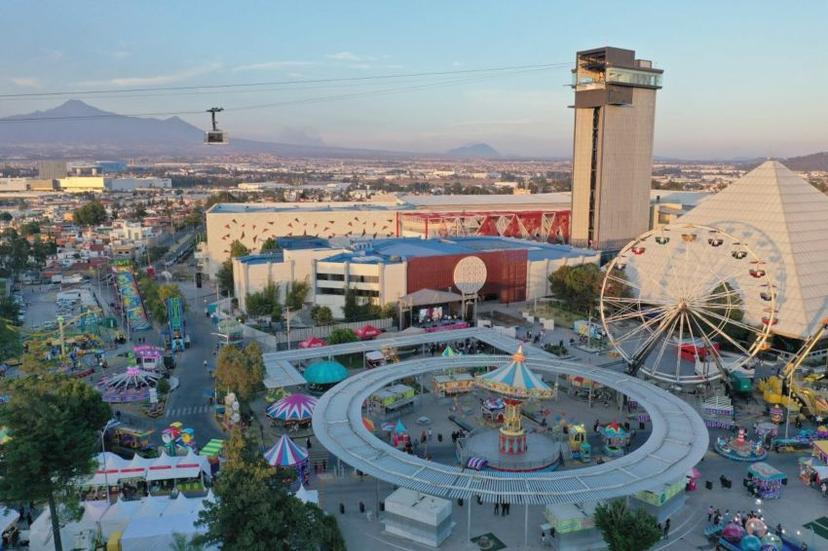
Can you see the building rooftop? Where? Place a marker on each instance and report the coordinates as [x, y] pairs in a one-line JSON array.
[[400, 249], [236, 208]]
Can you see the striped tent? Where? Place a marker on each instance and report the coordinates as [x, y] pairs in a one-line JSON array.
[[286, 453], [515, 380], [294, 407], [213, 447]]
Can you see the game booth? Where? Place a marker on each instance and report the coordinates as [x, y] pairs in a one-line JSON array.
[[766, 480], [616, 439]]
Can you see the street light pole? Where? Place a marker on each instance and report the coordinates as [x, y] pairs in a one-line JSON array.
[[109, 424]]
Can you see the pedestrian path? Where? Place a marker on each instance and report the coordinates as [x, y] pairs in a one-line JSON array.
[[184, 411]]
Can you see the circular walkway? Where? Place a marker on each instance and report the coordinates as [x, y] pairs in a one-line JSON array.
[[678, 441]]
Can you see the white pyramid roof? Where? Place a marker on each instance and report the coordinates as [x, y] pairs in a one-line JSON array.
[[784, 220]]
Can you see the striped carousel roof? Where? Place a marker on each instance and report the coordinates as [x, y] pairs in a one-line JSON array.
[[294, 407], [285, 453], [515, 379]]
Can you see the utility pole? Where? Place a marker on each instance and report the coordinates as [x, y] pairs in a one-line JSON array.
[[287, 317]]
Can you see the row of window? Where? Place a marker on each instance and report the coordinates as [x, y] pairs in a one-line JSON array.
[[357, 292], [353, 278]]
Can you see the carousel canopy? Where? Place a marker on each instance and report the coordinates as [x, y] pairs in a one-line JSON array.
[[294, 407], [285, 453], [515, 380], [325, 373]]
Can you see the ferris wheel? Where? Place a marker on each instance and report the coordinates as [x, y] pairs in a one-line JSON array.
[[687, 304]]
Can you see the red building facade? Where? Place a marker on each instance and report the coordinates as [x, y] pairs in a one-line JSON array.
[[505, 274]]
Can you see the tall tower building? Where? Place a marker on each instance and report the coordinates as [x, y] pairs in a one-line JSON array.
[[612, 159]]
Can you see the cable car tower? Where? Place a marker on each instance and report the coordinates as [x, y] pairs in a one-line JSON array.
[[215, 136]]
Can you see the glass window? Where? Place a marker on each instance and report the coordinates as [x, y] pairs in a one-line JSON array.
[[618, 75]]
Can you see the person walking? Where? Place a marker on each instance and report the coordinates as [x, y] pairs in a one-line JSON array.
[[667, 529], [308, 443], [710, 512], [497, 508]]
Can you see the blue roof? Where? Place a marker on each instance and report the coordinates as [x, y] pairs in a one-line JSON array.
[[386, 251], [261, 258], [325, 373]]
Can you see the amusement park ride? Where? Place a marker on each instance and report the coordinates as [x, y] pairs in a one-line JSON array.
[[785, 390], [675, 296]]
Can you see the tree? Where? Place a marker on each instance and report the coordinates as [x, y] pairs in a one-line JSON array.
[[55, 422], [9, 310], [253, 511], [6, 216], [270, 245], [237, 249], [264, 302], [90, 214], [342, 335], [240, 370], [295, 298], [578, 287], [29, 228], [352, 309], [224, 277], [624, 529], [321, 315], [10, 344]]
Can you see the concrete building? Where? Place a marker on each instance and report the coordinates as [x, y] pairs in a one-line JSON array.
[[13, 184], [128, 184], [613, 146], [81, 184], [382, 271], [51, 170], [543, 217]]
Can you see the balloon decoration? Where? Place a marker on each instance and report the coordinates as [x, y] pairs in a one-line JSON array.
[[176, 437]]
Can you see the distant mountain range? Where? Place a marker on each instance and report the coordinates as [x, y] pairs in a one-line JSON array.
[[814, 161], [474, 151], [76, 129]]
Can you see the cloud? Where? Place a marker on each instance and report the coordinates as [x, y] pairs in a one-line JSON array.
[[349, 56], [267, 65], [155, 80], [120, 54], [25, 82], [52, 53]]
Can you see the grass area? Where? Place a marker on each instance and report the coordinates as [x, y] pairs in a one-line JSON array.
[[562, 316]]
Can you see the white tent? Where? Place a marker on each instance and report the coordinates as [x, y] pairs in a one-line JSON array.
[[784, 219], [307, 496], [162, 468], [109, 466], [74, 535], [117, 517]]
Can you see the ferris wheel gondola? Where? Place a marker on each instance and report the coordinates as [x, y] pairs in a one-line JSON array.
[[687, 310]]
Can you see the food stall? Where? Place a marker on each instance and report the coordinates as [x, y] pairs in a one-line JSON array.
[[820, 450], [394, 397], [455, 383], [767, 481]]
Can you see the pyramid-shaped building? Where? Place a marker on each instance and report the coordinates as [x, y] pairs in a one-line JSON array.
[[784, 220]]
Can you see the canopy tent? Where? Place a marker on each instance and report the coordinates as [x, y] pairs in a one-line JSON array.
[[388, 426], [326, 373], [294, 407], [368, 332], [307, 496], [285, 453], [213, 447], [312, 342], [449, 352], [428, 297], [108, 471], [766, 472], [368, 424], [400, 428]]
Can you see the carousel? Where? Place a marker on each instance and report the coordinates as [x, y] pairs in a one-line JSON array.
[[739, 448], [511, 447], [133, 385]]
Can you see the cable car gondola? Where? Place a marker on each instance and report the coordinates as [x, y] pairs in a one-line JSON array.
[[215, 136]]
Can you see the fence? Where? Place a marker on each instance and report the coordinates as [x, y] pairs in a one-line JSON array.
[[271, 342]]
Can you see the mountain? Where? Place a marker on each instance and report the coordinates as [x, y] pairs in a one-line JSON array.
[[474, 151], [76, 128], [814, 161]]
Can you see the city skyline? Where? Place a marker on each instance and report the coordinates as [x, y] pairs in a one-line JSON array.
[[711, 107]]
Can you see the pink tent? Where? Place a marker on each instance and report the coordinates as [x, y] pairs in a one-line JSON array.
[[312, 342], [368, 332]]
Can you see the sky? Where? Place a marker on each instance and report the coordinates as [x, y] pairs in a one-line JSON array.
[[742, 79]]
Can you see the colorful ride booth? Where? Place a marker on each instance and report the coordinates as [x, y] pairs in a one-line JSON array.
[[452, 384], [392, 399], [289, 459], [400, 437], [765, 481], [579, 448], [294, 410], [616, 439], [493, 411]]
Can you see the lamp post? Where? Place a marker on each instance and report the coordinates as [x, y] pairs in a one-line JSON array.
[[109, 424]]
